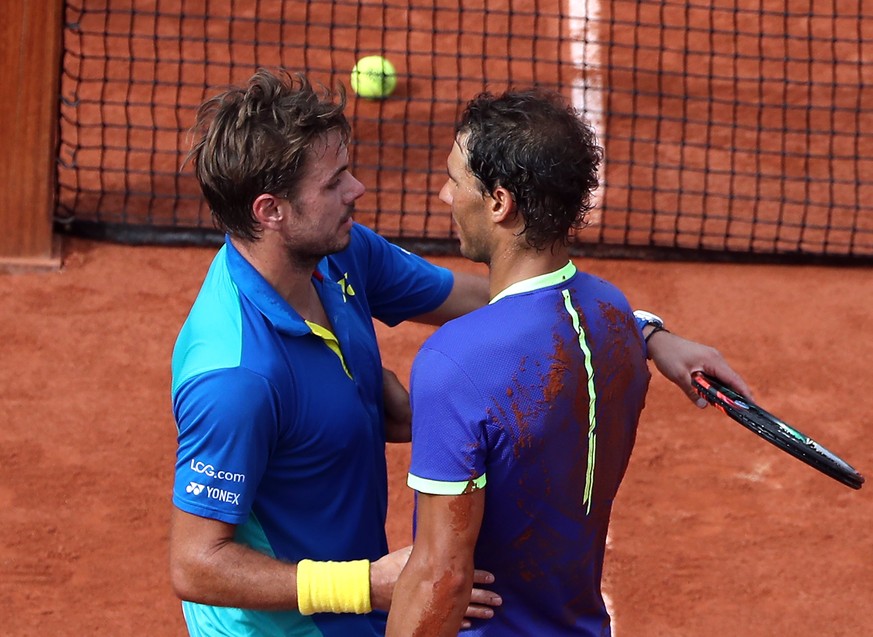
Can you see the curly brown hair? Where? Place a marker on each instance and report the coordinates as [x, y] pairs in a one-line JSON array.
[[536, 146]]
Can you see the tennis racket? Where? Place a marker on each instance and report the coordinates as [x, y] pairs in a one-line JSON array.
[[773, 430]]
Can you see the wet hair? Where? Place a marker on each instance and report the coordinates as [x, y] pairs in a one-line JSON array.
[[255, 139], [537, 147]]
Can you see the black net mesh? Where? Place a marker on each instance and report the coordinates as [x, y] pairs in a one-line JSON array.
[[730, 127]]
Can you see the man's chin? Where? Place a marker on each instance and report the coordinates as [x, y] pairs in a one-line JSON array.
[[471, 254], [339, 244], [343, 242]]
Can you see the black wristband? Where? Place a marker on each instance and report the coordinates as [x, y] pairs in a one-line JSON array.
[[657, 328]]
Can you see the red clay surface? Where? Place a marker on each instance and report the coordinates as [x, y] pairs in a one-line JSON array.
[[715, 531]]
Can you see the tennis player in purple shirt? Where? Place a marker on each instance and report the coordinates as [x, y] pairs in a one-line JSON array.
[[524, 412]]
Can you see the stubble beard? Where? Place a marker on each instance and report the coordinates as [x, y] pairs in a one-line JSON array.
[[308, 256], [474, 253]]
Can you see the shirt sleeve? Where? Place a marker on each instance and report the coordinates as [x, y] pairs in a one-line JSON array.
[[227, 423], [449, 417], [400, 284]]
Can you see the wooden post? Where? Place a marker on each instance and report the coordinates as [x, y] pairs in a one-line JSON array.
[[30, 52]]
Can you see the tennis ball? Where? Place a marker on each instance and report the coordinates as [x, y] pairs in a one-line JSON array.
[[374, 77]]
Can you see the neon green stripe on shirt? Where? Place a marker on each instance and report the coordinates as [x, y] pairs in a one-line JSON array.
[[438, 487], [592, 401]]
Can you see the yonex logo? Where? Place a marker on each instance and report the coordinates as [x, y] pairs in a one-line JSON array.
[[212, 493], [223, 496], [195, 488]]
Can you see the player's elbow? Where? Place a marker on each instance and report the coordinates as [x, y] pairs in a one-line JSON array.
[[191, 572], [448, 581], [456, 584], [198, 547], [183, 578]]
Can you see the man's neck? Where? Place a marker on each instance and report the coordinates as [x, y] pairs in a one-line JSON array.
[[516, 264], [292, 280]]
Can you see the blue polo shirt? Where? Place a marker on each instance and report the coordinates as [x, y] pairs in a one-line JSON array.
[[536, 399], [280, 424]]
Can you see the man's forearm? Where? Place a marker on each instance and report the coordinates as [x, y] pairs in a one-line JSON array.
[[207, 566], [429, 601], [469, 292], [231, 574], [435, 588]]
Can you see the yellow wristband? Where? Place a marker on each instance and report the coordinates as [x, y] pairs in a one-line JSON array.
[[333, 587]]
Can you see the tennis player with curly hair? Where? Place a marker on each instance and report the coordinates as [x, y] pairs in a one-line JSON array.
[[524, 412]]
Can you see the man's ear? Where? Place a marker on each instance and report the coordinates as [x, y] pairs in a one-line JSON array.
[[269, 210], [503, 206]]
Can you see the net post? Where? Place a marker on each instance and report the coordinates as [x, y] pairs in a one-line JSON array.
[[30, 50]]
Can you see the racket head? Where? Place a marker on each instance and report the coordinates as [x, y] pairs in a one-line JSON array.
[[772, 429]]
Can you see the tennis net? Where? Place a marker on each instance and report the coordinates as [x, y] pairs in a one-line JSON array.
[[730, 127]]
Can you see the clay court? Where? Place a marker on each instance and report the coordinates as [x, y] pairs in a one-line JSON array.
[[715, 532]]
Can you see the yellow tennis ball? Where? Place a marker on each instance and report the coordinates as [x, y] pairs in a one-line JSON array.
[[374, 77]]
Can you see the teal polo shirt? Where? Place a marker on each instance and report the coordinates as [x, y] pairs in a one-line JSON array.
[[280, 423]]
